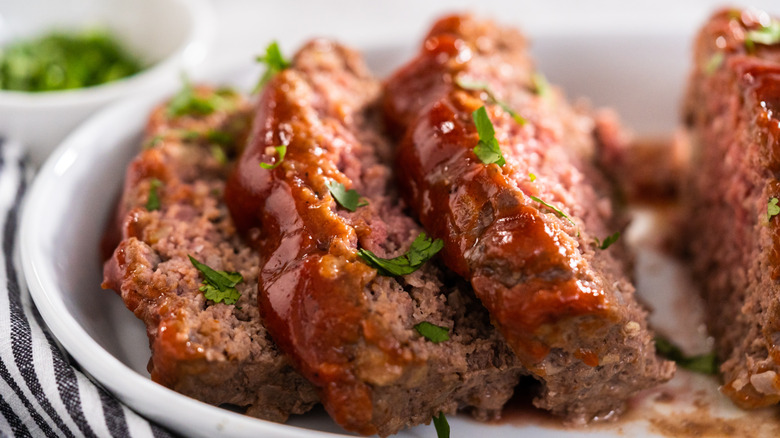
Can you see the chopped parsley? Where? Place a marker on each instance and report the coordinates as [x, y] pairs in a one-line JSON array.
[[281, 150], [65, 60], [219, 142], [608, 241], [221, 138], [190, 135], [540, 85], [433, 332], [517, 117], [553, 208], [714, 63], [421, 251], [153, 200], [349, 199], [704, 363], [213, 136], [532, 177], [442, 426], [187, 102], [488, 149], [154, 141], [767, 35], [274, 61], [772, 209], [226, 92], [218, 286], [469, 84], [219, 154]]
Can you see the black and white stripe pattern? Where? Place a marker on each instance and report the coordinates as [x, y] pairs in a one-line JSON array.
[[41, 394]]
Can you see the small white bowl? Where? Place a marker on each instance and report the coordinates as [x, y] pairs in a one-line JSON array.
[[169, 37]]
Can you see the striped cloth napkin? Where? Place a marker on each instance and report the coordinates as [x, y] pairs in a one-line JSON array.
[[42, 392]]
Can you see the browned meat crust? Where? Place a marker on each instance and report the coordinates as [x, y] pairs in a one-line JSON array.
[[217, 353], [731, 112], [347, 329], [566, 307]]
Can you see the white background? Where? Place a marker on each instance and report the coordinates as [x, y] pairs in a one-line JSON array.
[[641, 73]]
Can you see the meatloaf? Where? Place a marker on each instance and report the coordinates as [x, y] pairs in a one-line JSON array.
[[528, 234], [348, 327], [732, 120], [172, 208]]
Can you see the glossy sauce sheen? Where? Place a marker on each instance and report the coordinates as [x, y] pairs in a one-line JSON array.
[[762, 82], [749, 134], [170, 349], [312, 282], [522, 267]]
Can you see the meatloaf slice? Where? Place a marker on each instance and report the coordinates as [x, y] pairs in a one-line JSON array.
[[732, 116], [348, 329], [524, 233], [216, 352]]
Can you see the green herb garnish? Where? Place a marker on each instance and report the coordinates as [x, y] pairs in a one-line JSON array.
[[281, 150], [433, 332], [221, 138], [608, 241], [488, 149], [187, 102], [772, 209], [704, 363], [421, 251], [154, 141], [62, 61], [226, 92], [349, 199], [442, 426], [219, 154], [220, 141], [540, 85], [532, 177], [191, 135], [274, 62], [212, 136], [714, 63], [553, 208], [767, 35], [153, 200], [469, 84], [218, 286]]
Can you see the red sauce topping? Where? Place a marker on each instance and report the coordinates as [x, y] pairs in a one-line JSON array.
[[588, 357], [761, 80], [753, 71], [171, 351], [312, 283], [521, 266]]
